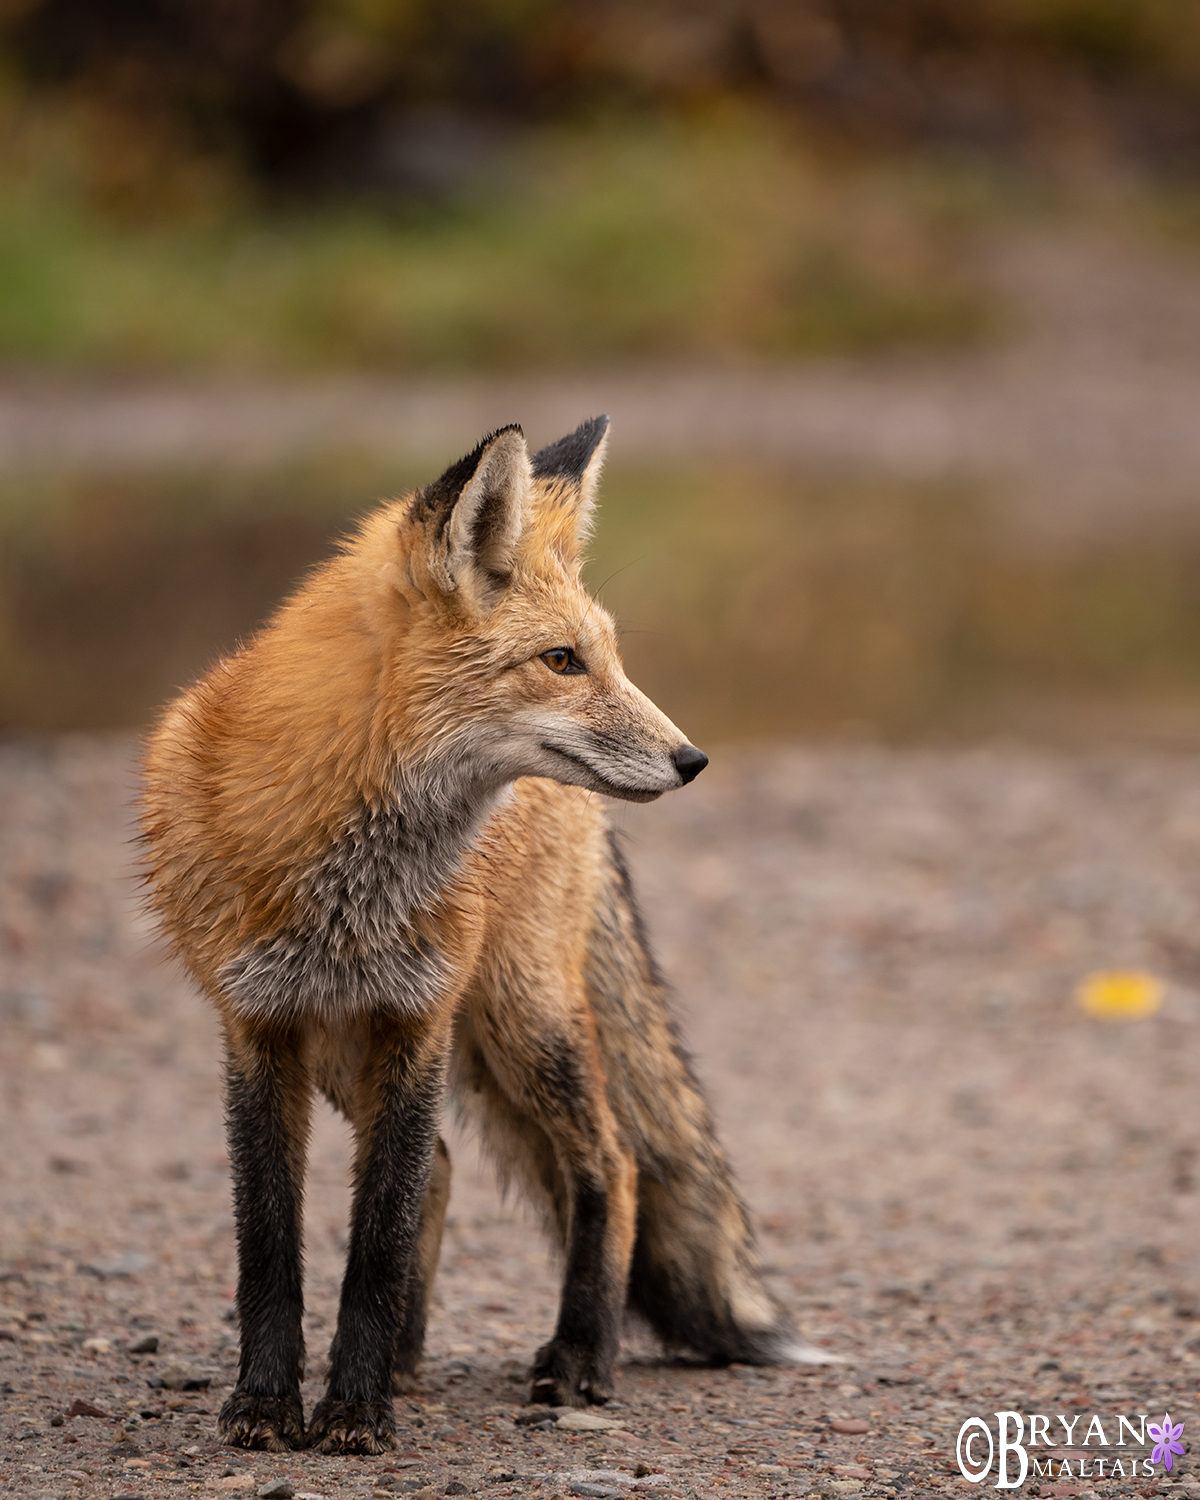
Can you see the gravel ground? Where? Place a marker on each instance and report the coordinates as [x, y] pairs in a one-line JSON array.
[[975, 1195]]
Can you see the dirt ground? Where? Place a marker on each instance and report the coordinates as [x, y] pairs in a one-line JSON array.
[[971, 1193]]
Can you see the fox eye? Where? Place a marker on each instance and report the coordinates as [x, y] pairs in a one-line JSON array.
[[563, 661]]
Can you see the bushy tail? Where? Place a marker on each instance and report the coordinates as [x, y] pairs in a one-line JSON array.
[[695, 1276]]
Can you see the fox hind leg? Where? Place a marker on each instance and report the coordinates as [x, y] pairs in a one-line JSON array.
[[535, 1088]]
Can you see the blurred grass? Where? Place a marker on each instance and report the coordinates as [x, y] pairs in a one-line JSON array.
[[752, 601], [715, 235]]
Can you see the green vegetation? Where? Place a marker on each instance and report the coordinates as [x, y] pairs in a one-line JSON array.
[[673, 240]]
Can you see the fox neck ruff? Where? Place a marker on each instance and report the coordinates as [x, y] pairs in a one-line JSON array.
[[350, 946]]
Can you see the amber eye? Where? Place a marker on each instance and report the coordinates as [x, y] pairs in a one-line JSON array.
[[563, 661]]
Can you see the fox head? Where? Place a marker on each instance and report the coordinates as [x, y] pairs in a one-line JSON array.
[[504, 662]]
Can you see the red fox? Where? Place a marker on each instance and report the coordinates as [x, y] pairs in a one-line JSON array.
[[365, 837]]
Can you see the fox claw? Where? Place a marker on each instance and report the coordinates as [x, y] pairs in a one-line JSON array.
[[566, 1376], [352, 1426], [273, 1423]]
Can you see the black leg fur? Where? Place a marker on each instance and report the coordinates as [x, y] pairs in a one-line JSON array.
[[267, 1096], [392, 1173], [576, 1366], [410, 1341]]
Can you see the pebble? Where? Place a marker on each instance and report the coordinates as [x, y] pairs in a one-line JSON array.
[[595, 1491], [456, 1487], [849, 1425], [586, 1421], [81, 1408], [128, 1264], [277, 1489], [147, 1345], [181, 1378]]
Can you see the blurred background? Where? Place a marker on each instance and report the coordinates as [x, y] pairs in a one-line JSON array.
[[895, 304]]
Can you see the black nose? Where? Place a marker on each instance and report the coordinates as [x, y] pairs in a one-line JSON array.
[[689, 762]]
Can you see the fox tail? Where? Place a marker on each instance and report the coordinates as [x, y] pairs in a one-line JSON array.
[[695, 1275]]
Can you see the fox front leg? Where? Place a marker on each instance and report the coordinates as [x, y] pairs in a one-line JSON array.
[[397, 1110], [410, 1343], [268, 1094]]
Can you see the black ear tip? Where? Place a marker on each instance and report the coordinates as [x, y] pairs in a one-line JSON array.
[[569, 457]]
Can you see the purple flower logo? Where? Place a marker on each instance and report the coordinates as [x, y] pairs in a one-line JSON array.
[[1166, 1441]]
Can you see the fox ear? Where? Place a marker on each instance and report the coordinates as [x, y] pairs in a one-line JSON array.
[[575, 462], [477, 511]]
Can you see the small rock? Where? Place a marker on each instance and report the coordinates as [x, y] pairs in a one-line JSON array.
[[147, 1345], [57, 1419], [536, 1416], [586, 1421], [277, 1489], [456, 1487], [770, 1469], [128, 1264], [595, 1491], [644, 1470], [233, 1482], [849, 1426], [81, 1408], [96, 1346], [183, 1378]]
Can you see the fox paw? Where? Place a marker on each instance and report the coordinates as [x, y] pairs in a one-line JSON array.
[[352, 1426], [275, 1423], [566, 1375]]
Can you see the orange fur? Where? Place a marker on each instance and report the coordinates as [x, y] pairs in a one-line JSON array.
[[371, 837]]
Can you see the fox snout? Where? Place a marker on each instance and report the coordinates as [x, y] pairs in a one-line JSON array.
[[689, 762]]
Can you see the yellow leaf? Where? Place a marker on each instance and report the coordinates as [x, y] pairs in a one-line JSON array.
[[1116, 995]]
